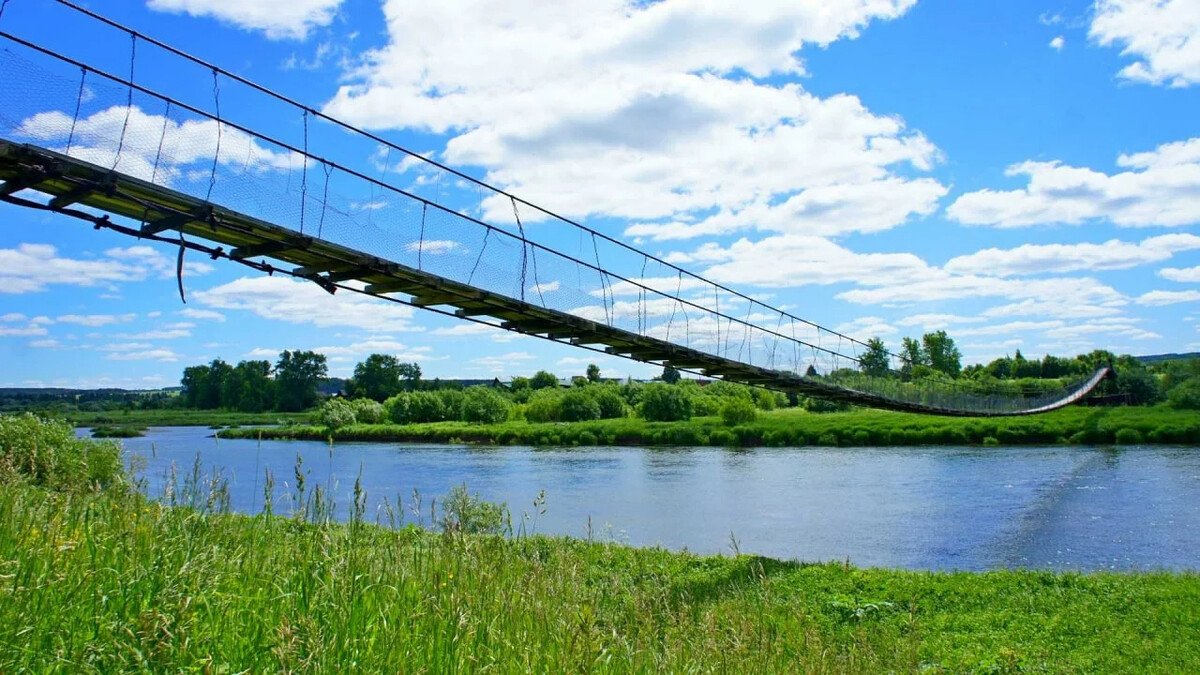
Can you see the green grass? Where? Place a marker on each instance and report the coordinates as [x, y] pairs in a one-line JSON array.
[[791, 427], [95, 578], [177, 417], [109, 583], [118, 431]]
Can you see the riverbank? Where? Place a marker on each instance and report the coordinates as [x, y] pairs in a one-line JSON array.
[[186, 589], [174, 417], [789, 427]]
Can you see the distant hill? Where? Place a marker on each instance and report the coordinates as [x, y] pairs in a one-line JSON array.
[[1159, 358]]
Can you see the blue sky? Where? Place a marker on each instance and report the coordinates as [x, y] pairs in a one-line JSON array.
[[1023, 174]]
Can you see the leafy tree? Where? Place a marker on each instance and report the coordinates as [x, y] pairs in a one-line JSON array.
[[578, 406], [593, 373], [297, 375], [411, 374], [482, 405], [376, 378], [1138, 384], [875, 361], [335, 413], [195, 381], [664, 403], [942, 353], [811, 371], [1186, 396], [670, 374], [543, 380], [612, 404], [544, 406], [367, 411], [738, 411], [914, 354], [256, 391], [425, 406]]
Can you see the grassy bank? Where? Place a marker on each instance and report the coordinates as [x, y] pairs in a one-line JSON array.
[[108, 583], [96, 578], [176, 417], [792, 427]]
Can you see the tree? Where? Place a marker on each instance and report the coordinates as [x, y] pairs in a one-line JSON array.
[[663, 403], [578, 406], [942, 354], [411, 374], [297, 375], [482, 405], [543, 380], [811, 371], [377, 378], [914, 354], [255, 390], [593, 373], [670, 375], [195, 380], [875, 361]]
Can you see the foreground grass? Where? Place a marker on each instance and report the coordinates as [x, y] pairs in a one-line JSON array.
[[793, 427], [176, 417], [107, 582]]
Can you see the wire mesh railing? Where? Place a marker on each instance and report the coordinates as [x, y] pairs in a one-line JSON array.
[[193, 127]]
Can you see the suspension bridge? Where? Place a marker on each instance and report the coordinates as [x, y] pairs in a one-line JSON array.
[[182, 161]]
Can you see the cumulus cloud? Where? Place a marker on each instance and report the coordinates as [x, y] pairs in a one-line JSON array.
[[1189, 274], [30, 268], [1162, 35], [1155, 298], [278, 19], [302, 302], [504, 363], [657, 95], [1159, 188], [1057, 258], [1058, 43]]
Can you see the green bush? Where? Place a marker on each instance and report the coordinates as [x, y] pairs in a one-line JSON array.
[[1129, 437], [426, 406], [335, 413], [47, 454], [665, 403], [1186, 396], [578, 406], [482, 405], [612, 404], [367, 411], [452, 403], [587, 438], [395, 409], [991, 441], [705, 405], [467, 513], [722, 437], [828, 440], [544, 406], [738, 411]]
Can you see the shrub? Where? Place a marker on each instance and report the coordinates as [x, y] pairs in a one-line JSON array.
[[722, 437], [764, 399], [704, 405], [612, 404], [1129, 437], [481, 405], [738, 411], [665, 403], [543, 406], [367, 411], [587, 438], [577, 406], [335, 413], [828, 439], [469, 514], [396, 409], [991, 441], [452, 403], [47, 454], [425, 406], [1186, 396]]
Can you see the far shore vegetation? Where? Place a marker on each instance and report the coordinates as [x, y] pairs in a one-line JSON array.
[[96, 577], [387, 400]]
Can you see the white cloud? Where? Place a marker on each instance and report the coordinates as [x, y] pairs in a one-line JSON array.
[[95, 320], [1163, 35], [433, 246], [46, 344], [302, 302], [1189, 274], [1061, 307], [30, 268], [1159, 188], [470, 329], [504, 363], [278, 19], [202, 314], [1056, 258], [1058, 43], [656, 95], [866, 327], [165, 355], [1155, 298], [126, 347], [13, 316], [31, 330], [190, 143], [929, 322], [158, 334]]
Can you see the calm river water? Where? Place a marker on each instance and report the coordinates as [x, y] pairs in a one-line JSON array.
[[919, 508]]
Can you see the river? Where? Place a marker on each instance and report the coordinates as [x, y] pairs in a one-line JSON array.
[[939, 508]]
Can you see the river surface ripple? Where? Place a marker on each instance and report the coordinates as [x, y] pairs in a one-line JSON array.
[[965, 508]]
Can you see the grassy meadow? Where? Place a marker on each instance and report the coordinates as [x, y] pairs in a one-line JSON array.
[[789, 427]]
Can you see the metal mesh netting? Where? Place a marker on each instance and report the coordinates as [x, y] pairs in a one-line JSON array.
[[321, 178]]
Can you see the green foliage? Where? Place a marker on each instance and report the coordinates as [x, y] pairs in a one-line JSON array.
[[377, 378], [543, 380], [1128, 437], [426, 406], [665, 403], [593, 373], [612, 405], [367, 411], [544, 406], [876, 361], [578, 406], [1138, 384], [47, 454], [1186, 396], [942, 353], [738, 411], [335, 413], [466, 513], [296, 377], [670, 374], [482, 405]]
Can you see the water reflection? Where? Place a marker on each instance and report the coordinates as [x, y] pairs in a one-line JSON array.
[[920, 508]]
